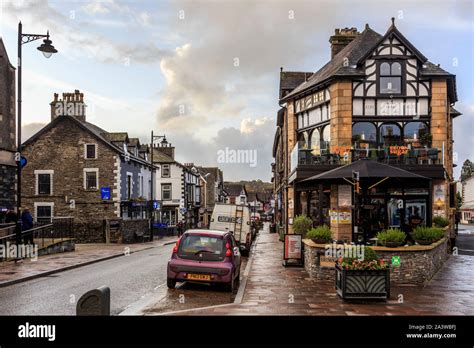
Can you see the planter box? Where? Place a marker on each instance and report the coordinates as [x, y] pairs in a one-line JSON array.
[[362, 284]]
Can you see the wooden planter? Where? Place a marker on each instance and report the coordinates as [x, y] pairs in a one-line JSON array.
[[362, 284]]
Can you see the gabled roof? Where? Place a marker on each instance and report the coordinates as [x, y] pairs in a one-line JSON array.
[[92, 129], [289, 80], [135, 142], [234, 188], [117, 137], [160, 157], [348, 62]]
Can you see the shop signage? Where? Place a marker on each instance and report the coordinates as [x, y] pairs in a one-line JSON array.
[[341, 150], [293, 249], [398, 150], [344, 195], [345, 217], [334, 217], [439, 194], [105, 193], [396, 261]]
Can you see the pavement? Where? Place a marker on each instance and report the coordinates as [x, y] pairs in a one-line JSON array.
[[85, 254], [272, 289], [465, 239]]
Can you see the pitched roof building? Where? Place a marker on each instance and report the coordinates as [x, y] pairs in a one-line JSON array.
[[380, 99]]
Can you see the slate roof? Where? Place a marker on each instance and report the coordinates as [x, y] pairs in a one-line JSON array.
[[160, 157], [289, 80], [234, 189], [356, 52], [98, 132]]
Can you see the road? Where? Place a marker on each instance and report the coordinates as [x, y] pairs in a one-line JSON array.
[[465, 240], [129, 278]]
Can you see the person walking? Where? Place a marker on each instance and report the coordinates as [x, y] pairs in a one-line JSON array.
[[27, 224]]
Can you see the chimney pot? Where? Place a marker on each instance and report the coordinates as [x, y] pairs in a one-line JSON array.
[[341, 39]]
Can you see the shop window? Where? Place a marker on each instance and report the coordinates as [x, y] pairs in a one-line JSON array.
[[390, 134], [364, 134]]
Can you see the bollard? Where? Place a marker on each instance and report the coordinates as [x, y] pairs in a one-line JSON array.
[[94, 302]]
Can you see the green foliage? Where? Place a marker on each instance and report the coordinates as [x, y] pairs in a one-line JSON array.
[[370, 254], [426, 139], [322, 232], [428, 234], [459, 200], [440, 221], [301, 224], [391, 236]]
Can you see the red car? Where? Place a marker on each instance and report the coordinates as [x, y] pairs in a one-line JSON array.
[[206, 256]]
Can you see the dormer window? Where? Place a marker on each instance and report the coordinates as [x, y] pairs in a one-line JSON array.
[[390, 78]]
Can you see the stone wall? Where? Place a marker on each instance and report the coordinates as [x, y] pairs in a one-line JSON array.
[[131, 227], [418, 263]]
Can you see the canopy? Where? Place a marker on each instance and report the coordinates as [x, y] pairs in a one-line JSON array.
[[367, 169]]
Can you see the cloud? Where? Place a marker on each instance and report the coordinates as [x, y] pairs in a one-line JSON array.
[[73, 37], [30, 129], [463, 138]]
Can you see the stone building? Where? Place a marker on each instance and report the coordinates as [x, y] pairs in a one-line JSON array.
[[77, 169], [7, 133], [212, 191], [236, 193], [378, 99]]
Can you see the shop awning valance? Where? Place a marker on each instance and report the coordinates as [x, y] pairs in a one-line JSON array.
[[368, 169]]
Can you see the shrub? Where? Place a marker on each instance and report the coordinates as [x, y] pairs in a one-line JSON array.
[[428, 234], [440, 221], [391, 237], [370, 254], [301, 224], [322, 232]]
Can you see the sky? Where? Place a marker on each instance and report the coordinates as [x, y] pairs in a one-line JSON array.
[[206, 73]]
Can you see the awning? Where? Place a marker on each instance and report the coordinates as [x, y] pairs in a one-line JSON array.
[[368, 169]]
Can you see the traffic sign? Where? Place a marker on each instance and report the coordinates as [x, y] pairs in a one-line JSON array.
[[23, 161]]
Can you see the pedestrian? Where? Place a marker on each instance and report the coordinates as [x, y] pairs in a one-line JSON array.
[[27, 224], [180, 228]]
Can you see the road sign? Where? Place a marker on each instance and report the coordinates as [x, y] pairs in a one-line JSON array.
[[105, 193], [183, 211], [23, 161], [156, 205]]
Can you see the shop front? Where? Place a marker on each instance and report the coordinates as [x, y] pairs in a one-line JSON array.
[[362, 198]]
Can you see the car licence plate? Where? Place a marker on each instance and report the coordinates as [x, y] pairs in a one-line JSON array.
[[192, 276]]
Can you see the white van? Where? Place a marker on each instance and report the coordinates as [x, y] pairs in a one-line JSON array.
[[236, 219]]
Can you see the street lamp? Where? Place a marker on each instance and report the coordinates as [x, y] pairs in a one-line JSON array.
[[163, 143], [48, 49]]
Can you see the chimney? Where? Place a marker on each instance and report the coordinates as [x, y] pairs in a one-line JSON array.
[[165, 148], [72, 104], [341, 38]]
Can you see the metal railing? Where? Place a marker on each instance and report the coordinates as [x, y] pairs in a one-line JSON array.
[[42, 233], [391, 155]]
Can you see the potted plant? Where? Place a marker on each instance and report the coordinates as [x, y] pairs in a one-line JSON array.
[[320, 235], [301, 224], [440, 221], [364, 279], [426, 139], [427, 235], [392, 237]]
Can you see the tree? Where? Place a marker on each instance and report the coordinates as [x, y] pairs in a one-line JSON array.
[[458, 200], [467, 169]]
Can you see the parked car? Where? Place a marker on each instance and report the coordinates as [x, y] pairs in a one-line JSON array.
[[205, 256]]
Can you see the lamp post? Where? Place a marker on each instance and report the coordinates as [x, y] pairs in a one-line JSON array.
[[48, 49], [163, 142]]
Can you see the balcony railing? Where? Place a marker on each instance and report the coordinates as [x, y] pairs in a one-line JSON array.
[[397, 155]]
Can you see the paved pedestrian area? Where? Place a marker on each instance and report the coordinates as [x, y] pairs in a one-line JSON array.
[[11, 272], [274, 290]]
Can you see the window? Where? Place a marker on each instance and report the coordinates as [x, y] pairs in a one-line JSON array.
[[166, 192], [140, 185], [315, 143], [90, 151], [390, 81], [413, 131], [165, 171], [91, 179], [326, 137], [390, 135], [44, 182], [129, 185], [364, 133], [303, 140], [43, 212]]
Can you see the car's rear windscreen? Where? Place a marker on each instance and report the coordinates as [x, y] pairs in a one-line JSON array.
[[202, 247]]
